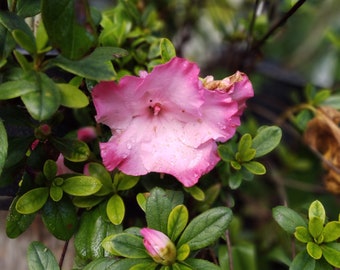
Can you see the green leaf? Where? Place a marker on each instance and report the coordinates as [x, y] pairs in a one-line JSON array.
[[245, 143], [17, 223], [206, 228], [183, 252], [246, 155], [22, 61], [73, 150], [167, 50], [98, 171], [150, 265], [235, 179], [32, 201], [87, 201], [141, 200], [237, 166], [100, 264], [315, 226], [93, 228], [60, 218], [302, 261], [96, 66], [42, 39], [56, 193], [255, 167], [317, 210], [126, 245], [211, 194], [321, 96], [195, 192], [27, 8], [13, 89], [287, 218], [302, 234], [115, 209], [127, 264], [71, 96], [266, 139], [81, 185], [50, 169], [199, 264], [80, 35], [158, 208], [332, 254], [40, 257], [314, 250], [44, 102], [124, 182], [25, 41], [3, 145], [178, 219], [225, 152], [331, 231]]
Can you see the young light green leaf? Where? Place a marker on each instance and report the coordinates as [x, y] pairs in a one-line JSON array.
[[50, 169], [255, 167], [314, 250], [60, 218], [25, 41], [195, 192], [3, 146], [141, 200], [302, 261], [331, 231], [81, 185], [115, 209], [287, 218], [56, 193], [206, 228], [126, 245], [32, 201], [315, 227], [98, 171], [40, 257], [177, 221], [245, 143], [167, 50], [317, 210], [71, 96], [125, 182], [183, 252], [302, 234], [266, 140]]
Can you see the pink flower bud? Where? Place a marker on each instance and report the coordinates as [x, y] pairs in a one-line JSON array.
[[159, 246], [86, 134]]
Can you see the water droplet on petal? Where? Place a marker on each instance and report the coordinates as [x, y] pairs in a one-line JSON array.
[[128, 146]]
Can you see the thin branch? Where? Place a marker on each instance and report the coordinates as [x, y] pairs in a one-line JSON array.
[[277, 25], [62, 256], [230, 254], [251, 26]]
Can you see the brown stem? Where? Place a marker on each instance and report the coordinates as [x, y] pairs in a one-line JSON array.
[[277, 25], [230, 254], [251, 26], [62, 256]]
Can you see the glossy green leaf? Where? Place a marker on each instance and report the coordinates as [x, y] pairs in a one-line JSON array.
[[124, 182], [71, 96], [50, 169], [80, 35], [245, 143], [17, 223], [178, 219], [129, 263], [73, 150], [56, 193], [17, 148], [13, 89], [32, 201], [44, 102], [266, 139], [60, 218], [42, 39], [237, 166], [158, 208], [206, 228], [199, 264], [87, 201], [25, 41], [225, 152], [195, 192], [81, 185], [115, 209], [167, 50], [302, 261], [141, 200], [101, 264], [3, 146], [40, 257], [96, 66], [287, 218], [27, 8], [150, 265], [331, 231], [235, 179], [315, 226], [246, 155], [314, 250], [126, 245], [93, 228], [302, 234], [183, 252], [98, 171], [255, 167], [332, 254], [22, 61], [6, 46]]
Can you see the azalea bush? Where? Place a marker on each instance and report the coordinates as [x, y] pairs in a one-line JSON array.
[[121, 141]]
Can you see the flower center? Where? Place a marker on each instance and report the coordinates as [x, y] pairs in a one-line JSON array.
[[155, 109]]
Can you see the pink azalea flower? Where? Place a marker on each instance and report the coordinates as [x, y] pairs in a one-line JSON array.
[[168, 121], [159, 246]]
